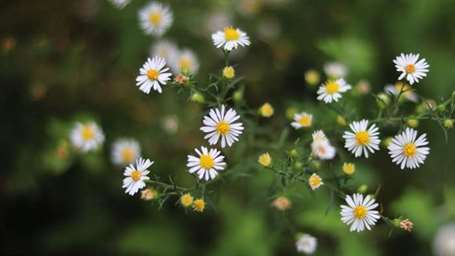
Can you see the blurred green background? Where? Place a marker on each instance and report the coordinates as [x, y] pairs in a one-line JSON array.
[[62, 61]]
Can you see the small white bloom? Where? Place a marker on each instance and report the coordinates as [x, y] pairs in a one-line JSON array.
[[152, 75], [406, 150], [302, 120], [335, 70], [165, 49], [406, 91], [230, 38], [186, 62], [170, 124], [136, 175], [321, 146], [207, 163], [332, 90], [315, 181], [360, 213], [444, 241], [120, 3], [362, 140], [155, 18], [411, 67], [221, 125], [306, 244], [86, 136], [125, 151]]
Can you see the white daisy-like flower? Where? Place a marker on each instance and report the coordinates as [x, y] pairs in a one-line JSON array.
[[120, 3], [136, 175], [411, 67], [155, 18], [230, 38], [186, 62], [335, 70], [362, 140], [302, 120], [221, 125], [406, 150], [332, 90], [306, 244], [165, 49], [86, 136], [360, 212], [321, 146], [406, 91], [444, 240], [207, 163], [152, 75], [125, 151]]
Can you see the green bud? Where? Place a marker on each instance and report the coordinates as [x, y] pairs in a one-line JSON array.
[[448, 123], [198, 98], [383, 100], [298, 165], [315, 164], [413, 123], [396, 222], [362, 189], [293, 152], [238, 95], [386, 142]]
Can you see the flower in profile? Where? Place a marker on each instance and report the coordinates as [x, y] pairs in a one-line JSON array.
[[266, 110], [332, 89], [321, 146], [165, 49], [199, 205], [444, 240], [230, 38], [120, 3], [228, 72], [136, 175], [406, 150], [148, 194], [186, 200], [411, 67], [125, 151], [265, 159], [335, 70], [302, 120], [281, 203], [306, 244], [360, 212], [348, 168], [152, 75], [155, 18], [315, 181], [406, 225], [362, 140], [186, 62], [207, 163], [221, 125], [401, 88], [86, 136]]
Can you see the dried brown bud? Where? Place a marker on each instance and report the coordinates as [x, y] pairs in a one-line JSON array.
[[181, 79], [406, 225], [281, 203]]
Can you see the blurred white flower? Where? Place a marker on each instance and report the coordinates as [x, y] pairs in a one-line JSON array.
[[207, 163], [411, 67], [218, 20], [186, 62], [230, 38], [155, 18], [306, 244], [406, 150], [120, 3], [361, 140], [170, 124], [152, 75], [86, 136], [221, 125], [444, 241], [302, 120], [136, 175], [165, 49], [321, 146], [125, 151], [360, 213], [406, 91], [335, 70], [332, 90]]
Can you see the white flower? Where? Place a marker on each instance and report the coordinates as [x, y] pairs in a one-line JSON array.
[[165, 49], [230, 38], [407, 150], [315, 181], [87, 136], [444, 241], [125, 151], [155, 18], [332, 90], [360, 213], [406, 91], [136, 175], [411, 67], [217, 20], [221, 124], [120, 3], [335, 70], [186, 62], [302, 120], [362, 140], [207, 163], [321, 146], [152, 75], [306, 244]]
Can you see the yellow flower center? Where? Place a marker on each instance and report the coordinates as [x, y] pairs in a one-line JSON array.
[[360, 212], [223, 127], [231, 34], [155, 18], [409, 149], [305, 121], [128, 155], [362, 137], [153, 74], [185, 64], [199, 205], [87, 133], [332, 87], [410, 68], [206, 162], [136, 175]]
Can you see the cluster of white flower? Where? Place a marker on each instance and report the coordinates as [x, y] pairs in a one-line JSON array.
[[181, 61]]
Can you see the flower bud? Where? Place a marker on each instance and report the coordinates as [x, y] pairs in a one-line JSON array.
[[293, 152], [290, 112], [298, 165], [349, 168], [238, 95], [266, 110], [413, 123], [362, 189], [383, 100], [315, 164], [312, 77], [386, 142], [148, 194], [341, 120], [228, 72], [448, 123], [198, 98], [265, 159]]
